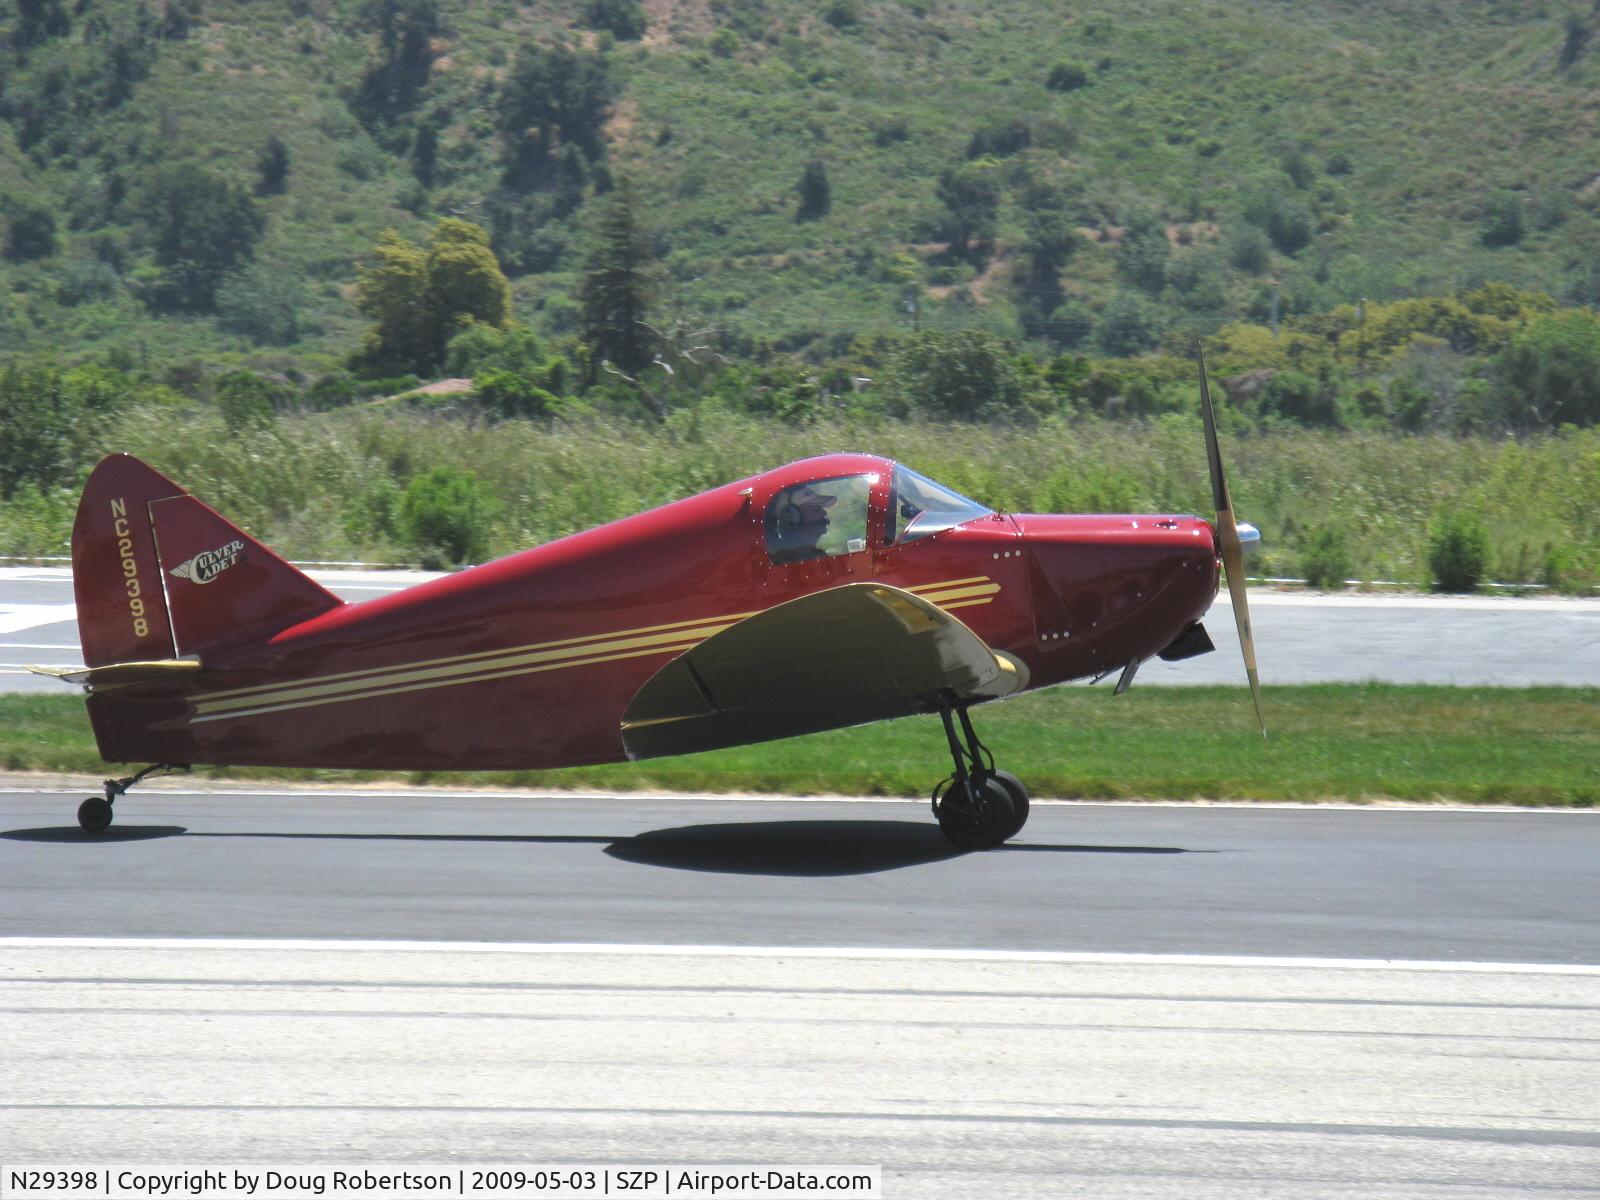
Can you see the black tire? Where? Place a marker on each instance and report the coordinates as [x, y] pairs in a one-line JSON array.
[[94, 814], [1019, 798], [981, 822]]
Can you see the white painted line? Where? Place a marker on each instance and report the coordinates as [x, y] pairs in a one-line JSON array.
[[881, 953]]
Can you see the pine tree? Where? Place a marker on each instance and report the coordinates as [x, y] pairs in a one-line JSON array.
[[616, 286], [816, 194]]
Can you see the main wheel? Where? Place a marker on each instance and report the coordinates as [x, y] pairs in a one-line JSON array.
[[1019, 798], [980, 821], [94, 814]]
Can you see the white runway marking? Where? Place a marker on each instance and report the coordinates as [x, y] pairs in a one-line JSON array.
[[14, 618], [854, 953]]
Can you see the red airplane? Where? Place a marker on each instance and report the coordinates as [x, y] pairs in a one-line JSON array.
[[829, 592]]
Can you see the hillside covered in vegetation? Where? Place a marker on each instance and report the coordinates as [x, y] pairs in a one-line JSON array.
[[688, 227], [809, 171]]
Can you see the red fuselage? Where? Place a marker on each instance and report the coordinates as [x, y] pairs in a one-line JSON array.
[[532, 660]]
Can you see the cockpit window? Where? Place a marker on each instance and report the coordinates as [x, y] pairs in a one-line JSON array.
[[918, 507], [820, 519]]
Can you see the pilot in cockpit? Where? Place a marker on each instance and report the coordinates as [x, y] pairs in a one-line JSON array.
[[799, 523]]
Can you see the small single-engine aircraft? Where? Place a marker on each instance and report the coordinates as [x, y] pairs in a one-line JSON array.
[[829, 592]]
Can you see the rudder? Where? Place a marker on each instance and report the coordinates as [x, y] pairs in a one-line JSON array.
[[158, 575]]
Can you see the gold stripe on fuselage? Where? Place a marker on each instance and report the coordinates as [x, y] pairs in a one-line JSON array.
[[539, 657]]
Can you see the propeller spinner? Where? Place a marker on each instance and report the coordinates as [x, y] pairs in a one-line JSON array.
[[1230, 542]]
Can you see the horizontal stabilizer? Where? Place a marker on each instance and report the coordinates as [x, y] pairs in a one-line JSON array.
[[98, 679]]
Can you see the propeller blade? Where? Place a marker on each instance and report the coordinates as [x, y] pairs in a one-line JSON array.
[[1228, 542]]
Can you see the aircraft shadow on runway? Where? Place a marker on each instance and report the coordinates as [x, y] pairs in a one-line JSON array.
[[800, 848]]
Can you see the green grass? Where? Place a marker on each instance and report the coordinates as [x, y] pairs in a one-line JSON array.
[[1525, 746]]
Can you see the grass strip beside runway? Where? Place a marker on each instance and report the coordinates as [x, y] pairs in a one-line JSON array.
[[1529, 746]]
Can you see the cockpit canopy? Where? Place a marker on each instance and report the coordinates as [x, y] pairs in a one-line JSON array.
[[831, 516], [919, 507]]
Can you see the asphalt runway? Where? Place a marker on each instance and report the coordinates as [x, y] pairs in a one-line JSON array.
[[1196, 1002], [1300, 637]]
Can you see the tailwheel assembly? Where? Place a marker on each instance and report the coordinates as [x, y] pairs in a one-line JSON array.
[[95, 814]]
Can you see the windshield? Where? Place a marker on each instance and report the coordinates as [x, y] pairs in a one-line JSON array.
[[918, 507]]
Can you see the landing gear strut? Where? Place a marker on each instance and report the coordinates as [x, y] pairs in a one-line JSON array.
[[94, 814], [978, 807]]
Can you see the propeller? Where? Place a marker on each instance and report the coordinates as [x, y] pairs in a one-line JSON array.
[[1228, 537]]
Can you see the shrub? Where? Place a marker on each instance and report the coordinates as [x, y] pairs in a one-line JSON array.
[[508, 394], [842, 14], [246, 399], [445, 516], [1458, 547], [1066, 77], [1249, 251], [1325, 557], [1502, 220], [262, 303], [622, 19], [1000, 138]]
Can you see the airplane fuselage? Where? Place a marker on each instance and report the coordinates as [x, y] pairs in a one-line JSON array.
[[531, 661]]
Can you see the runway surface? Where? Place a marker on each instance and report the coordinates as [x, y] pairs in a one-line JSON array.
[[1129, 1001], [1300, 637]]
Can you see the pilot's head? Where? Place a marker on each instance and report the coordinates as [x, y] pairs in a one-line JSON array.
[[812, 507]]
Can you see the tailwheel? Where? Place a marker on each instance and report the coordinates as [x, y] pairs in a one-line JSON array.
[[976, 815], [94, 814]]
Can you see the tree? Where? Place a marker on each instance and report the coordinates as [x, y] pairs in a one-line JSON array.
[[38, 21], [465, 283], [1128, 326], [421, 298], [622, 19], [272, 168], [816, 195], [1048, 244], [1502, 220], [1550, 373], [971, 193], [30, 230], [393, 84], [615, 292], [554, 96], [1145, 252], [965, 375], [200, 227]]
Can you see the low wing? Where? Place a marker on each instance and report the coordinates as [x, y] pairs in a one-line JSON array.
[[852, 654], [98, 679]]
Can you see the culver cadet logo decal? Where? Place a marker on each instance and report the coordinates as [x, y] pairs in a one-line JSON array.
[[203, 568]]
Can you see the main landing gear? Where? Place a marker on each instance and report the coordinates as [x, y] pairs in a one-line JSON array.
[[94, 814], [978, 807]]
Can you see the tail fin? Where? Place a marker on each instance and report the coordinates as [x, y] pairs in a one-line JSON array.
[[158, 575]]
